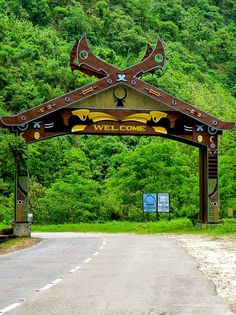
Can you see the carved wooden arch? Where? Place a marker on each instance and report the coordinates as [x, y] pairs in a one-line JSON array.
[[119, 102]]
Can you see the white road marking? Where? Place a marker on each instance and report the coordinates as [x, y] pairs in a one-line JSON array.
[[74, 269], [9, 308], [57, 280], [51, 284], [47, 286]]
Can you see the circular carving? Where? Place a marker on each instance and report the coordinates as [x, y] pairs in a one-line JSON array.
[[83, 54], [67, 98], [215, 123], [212, 146], [212, 130], [159, 58], [173, 102], [109, 81], [23, 127], [37, 135], [199, 138], [23, 117], [120, 94], [133, 82]]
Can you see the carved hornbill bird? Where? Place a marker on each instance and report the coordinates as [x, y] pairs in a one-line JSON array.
[[88, 117]]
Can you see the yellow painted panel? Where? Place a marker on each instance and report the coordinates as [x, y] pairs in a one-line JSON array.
[[131, 100]]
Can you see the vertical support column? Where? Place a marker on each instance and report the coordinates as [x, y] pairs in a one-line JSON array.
[[21, 224], [203, 184], [208, 182], [213, 194]]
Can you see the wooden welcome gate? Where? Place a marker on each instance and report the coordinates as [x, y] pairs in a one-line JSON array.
[[120, 103]]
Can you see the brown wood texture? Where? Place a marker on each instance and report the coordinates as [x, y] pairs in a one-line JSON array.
[[92, 65], [84, 68], [203, 185], [170, 124]]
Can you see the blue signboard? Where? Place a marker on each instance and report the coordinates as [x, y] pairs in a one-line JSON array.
[[149, 202]]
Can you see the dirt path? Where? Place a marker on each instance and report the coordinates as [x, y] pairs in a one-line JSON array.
[[216, 257]]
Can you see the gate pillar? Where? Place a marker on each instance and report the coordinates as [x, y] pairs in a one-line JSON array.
[[213, 193], [21, 223], [203, 185], [208, 183]]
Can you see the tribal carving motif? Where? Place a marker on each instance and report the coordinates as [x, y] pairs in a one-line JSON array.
[[22, 198], [213, 207], [151, 118], [83, 59]]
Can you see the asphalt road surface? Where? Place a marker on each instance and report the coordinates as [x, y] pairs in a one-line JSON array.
[[98, 274]]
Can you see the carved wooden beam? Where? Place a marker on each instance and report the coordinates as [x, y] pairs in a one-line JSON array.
[[111, 76]]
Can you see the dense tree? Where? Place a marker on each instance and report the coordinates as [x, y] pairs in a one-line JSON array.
[[157, 166]]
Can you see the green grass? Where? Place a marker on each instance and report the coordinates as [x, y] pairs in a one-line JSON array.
[[4, 226], [228, 226], [179, 226]]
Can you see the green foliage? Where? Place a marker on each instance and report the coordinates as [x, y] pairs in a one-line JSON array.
[[103, 178], [13, 155], [159, 166], [72, 200], [184, 225]]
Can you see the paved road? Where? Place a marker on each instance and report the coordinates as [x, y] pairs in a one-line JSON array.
[[106, 275]]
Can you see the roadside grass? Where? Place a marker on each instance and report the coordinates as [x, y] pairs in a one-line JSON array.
[[179, 226], [3, 226], [11, 245]]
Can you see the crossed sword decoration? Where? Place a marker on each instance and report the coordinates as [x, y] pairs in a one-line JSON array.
[[83, 59]]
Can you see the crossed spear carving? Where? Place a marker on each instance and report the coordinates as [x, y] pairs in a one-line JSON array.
[[92, 65], [84, 60]]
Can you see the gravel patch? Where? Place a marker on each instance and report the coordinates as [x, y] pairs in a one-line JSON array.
[[216, 258]]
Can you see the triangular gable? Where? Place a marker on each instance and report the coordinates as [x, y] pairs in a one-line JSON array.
[[121, 97]]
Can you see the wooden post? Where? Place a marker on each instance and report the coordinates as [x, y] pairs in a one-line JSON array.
[[21, 224], [203, 185], [213, 193], [208, 182]]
